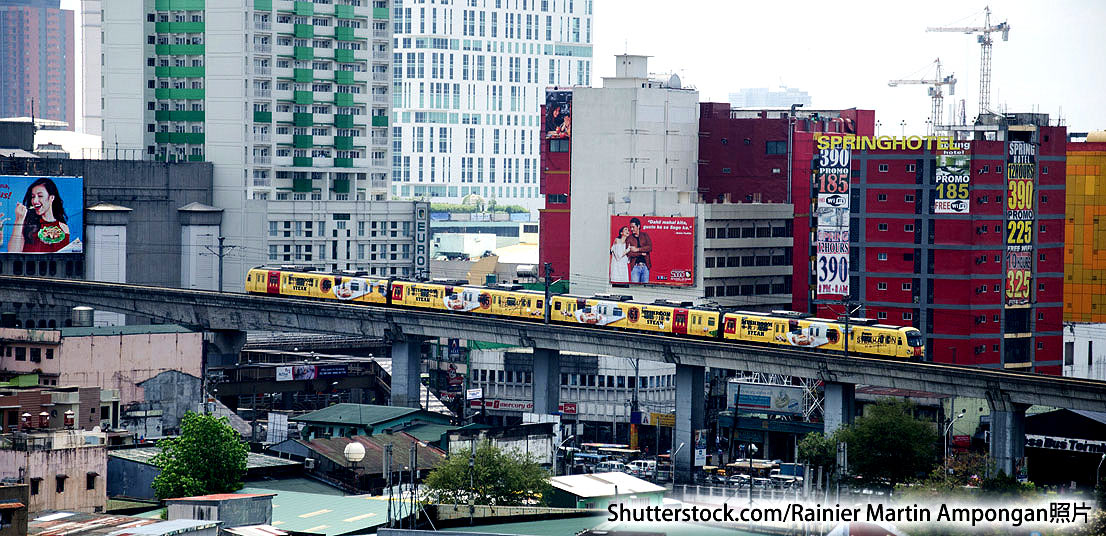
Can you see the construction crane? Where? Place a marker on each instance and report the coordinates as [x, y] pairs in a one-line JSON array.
[[984, 39], [936, 92]]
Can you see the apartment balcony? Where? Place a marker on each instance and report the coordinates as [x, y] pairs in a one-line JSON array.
[[381, 77], [262, 26], [381, 34], [282, 117], [380, 143], [263, 138], [284, 72], [381, 56], [263, 48], [262, 70], [262, 160], [379, 162], [282, 161], [380, 99], [262, 93], [283, 95], [262, 181]]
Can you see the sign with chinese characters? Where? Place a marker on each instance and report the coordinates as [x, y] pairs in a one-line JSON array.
[[1021, 195]]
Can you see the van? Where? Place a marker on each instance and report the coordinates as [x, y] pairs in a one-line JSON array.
[[610, 467], [642, 468]]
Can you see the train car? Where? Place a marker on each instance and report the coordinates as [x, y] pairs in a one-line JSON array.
[[618, 311], [301, 282], [785, 328], [460, 297]]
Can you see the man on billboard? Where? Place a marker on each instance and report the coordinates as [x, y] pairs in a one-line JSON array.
[[40, 222], [640, 248]]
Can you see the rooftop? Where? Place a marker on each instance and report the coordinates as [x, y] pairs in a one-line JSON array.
[[256, 530], [429, 432], [123, 330], [222, 497], [603, 485], [78, 524], [168, 528], [253, 460], [334, 448], [326, 514], [364, 414]]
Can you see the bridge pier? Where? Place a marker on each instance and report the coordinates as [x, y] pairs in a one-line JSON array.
[[406, 366], [839, 406], [690, 412], [1007, 432], [223, 347], [547, 381]]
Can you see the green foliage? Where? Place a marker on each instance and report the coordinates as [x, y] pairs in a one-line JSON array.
[[207, 457], [888, 445], [1003, 485], [817, 450], [469, 209], [500, 478]]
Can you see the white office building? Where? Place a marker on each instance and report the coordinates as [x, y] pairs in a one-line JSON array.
[[289, 100], [470, 77], [1085, 350]]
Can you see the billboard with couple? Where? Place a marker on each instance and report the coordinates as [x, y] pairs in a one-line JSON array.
[[652, 250]]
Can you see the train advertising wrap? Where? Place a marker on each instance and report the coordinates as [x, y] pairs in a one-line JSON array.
[[652, 250], [41, 214], [1021, 196], [832, 179], [952, 182]]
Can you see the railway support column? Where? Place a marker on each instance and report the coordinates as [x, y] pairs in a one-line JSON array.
[[547, 381], [406, 366], [840, 406], [690, 410], [1007, 432]]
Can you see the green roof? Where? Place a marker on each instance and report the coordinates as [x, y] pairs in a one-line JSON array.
[[124, 330], [428, 432], [325, 514], [363, 414]]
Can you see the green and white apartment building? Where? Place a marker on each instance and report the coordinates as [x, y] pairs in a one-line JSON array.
[[291, 102], [470, 78]]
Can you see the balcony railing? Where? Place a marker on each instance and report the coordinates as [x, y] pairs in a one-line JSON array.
[[259, 25], [266, 93], [263, 138], [263, 70], [262, 47]]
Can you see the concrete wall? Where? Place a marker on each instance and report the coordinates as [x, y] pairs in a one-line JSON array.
[[74, 463], [1085, 351], [127, 478], [233, 513], [168, 396], [17, 524]]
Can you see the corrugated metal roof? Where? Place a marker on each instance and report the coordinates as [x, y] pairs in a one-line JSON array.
[[257, 530], [603, 485], [222, 497], [78, 524], [425, 431], [373, 463], [364, 414], [146, 455], [167, 528], [326, 514]]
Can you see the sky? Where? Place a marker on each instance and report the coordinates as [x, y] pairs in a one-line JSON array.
[[844, 53]]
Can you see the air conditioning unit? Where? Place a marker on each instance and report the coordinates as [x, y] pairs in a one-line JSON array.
[[309, 463]]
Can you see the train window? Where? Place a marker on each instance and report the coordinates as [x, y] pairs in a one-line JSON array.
[[557, 305], [511, 302], [710, 322], [540, 305]]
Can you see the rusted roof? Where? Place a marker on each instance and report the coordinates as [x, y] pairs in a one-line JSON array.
[[78, 524], [373, 463]]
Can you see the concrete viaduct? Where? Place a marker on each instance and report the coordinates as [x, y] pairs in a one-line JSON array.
[[230, 315]]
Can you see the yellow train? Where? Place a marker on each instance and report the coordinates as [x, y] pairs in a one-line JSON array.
[[777, 328]]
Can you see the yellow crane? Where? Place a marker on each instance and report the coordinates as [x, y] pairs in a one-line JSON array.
[[984, 38], [935, 92]]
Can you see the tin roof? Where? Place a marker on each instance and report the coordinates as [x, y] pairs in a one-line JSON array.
[[79, 524], [604, 485], [327, 515], [167, 528], [146, 455], [349, 414]]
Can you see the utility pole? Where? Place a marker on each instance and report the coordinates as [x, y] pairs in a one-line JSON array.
[[220, 252], [548, 269], [846, 303]]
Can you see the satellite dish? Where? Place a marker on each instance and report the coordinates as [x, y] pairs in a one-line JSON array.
[[354, 452], [674, 81]]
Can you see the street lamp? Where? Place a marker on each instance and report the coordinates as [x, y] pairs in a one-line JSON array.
[[561, 447], [945, 436]]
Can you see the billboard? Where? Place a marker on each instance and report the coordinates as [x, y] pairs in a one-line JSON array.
[[652, 250], [41, 214], [765, 398], [952, 182], [1021, 172], [558, 114], [832, 178]]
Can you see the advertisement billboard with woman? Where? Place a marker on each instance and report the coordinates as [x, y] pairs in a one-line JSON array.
[[41, 214]]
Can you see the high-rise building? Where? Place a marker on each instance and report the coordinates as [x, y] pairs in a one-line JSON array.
[[760, 97], [289, 100], [36, 59], [1085, 255], [469, 80]]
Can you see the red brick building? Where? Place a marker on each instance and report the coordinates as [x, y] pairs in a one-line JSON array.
[[554, 184]]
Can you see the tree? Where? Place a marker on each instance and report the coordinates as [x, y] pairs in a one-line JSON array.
[[500, 478], [207, 457], [888, 445], [817, 450]]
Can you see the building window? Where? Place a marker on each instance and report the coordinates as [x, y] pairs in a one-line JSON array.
[[883, 168], [35, 481], [882, 227], [725, 170], [1044, 170], [908, 228], [911, 168], [908, 316], [1040, 346], [557, 198], [909, 198], [21, 352], [882, 285], [882, 315], [994, 347], [61, 483], [1040, 316], [775, 147], [882, 256], [907, 286], [90, 481], [558, 146], [881, 197]]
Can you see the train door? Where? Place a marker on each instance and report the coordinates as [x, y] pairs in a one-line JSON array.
[[273, 283], [730, 327], [397, 292], [679, 321]]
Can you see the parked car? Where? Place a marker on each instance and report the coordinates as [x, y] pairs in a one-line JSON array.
[[610, 466], [642, 468]]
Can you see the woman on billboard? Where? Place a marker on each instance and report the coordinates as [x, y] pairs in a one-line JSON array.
[[620, 261], [42, 228]]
